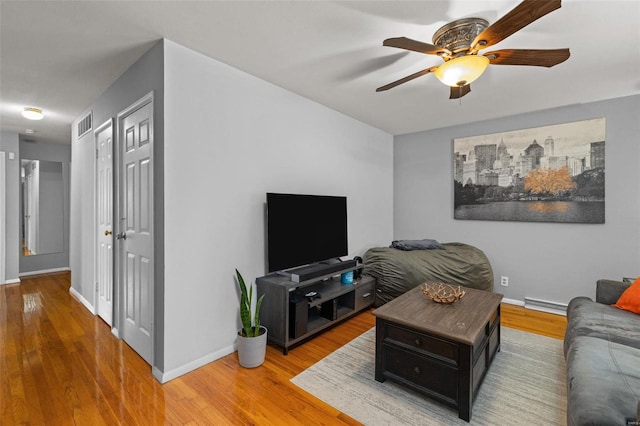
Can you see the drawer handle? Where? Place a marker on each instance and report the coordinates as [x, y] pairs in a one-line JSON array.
[[364, 296], [418, 342], [417, 370]]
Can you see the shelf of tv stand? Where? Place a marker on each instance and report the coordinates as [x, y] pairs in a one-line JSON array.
[[336, 303], [293, 285]]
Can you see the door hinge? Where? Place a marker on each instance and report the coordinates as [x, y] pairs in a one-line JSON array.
[[97, 287], [97, 155]]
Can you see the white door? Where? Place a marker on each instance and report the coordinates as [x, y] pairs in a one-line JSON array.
[[104, 219], [135, 236]]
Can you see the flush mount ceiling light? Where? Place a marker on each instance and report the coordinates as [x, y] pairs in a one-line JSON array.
[[32, 113]]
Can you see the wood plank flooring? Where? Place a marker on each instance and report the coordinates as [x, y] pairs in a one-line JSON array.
[[61, 365]]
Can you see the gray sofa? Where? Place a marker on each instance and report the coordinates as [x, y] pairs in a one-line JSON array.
[[602, 352]]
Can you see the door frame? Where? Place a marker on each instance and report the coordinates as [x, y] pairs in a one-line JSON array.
[[118, 300], [33, 222], [96, 193], [3, 209]]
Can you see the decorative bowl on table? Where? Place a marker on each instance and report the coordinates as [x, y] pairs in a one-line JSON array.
[[442, 293]]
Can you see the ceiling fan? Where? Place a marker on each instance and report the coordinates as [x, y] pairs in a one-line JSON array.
[[458, 43]]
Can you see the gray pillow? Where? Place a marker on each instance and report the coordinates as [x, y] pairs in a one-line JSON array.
[[408, 245]]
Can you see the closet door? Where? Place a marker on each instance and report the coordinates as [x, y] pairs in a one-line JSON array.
[[135, 225], [104, 220]]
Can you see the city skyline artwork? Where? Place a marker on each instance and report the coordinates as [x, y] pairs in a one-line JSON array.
[[551, 173]]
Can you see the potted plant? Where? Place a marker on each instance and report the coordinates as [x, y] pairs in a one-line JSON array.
[[252, 337]]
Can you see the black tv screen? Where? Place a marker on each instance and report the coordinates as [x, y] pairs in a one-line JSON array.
[[304, 229]]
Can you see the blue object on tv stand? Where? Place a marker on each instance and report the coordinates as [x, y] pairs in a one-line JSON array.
[[346, 277]]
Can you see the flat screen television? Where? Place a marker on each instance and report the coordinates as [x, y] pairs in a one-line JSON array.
[[305, 229]]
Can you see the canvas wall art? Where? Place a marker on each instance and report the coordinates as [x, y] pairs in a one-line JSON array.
[[545, 174]]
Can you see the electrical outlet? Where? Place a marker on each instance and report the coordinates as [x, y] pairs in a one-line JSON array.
[[504, 281]]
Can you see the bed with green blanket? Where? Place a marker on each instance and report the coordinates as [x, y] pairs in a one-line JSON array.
[[397, 271]]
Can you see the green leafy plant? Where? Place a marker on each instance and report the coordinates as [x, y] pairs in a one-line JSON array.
[[246, 295]]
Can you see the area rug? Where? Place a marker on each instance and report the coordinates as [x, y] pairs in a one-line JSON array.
[[525, 385]]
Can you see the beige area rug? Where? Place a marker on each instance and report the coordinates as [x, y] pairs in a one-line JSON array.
[[525, 385]]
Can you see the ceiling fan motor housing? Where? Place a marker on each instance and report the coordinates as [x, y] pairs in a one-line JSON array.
[[458, 35]]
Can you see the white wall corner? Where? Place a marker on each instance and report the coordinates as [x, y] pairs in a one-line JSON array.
[[80, 298], [163, 377], [15, 281]]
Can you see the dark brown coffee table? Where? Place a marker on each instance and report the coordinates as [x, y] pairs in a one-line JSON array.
[[442, 351]]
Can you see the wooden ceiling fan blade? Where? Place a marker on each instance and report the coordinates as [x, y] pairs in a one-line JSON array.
[[460, 91], [518, 18], [405, 79], [532, 57], [415, 46]]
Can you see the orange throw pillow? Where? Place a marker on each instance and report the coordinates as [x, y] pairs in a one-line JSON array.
[[630, 299]]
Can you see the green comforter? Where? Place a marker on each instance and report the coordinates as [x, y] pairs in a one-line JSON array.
[[397, 271]]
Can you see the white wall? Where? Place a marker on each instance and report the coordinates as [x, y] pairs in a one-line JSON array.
[[547, 261], [81, 235], [229, 139], [9, 144]]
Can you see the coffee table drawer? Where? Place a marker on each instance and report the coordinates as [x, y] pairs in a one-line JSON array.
[[427, 373], [428, 345]]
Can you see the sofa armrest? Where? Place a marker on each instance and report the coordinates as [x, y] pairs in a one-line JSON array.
[[609, 291]]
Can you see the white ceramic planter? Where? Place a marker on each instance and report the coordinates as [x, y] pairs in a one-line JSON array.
[[252, 350]]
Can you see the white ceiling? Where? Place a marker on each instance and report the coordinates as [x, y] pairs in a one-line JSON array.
[[60, 55]]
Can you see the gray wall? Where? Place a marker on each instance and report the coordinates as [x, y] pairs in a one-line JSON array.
[[548, 261], [59, 153], [230, 138], [9, 144], [144, 76]]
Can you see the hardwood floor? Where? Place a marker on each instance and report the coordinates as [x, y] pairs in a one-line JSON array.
[[533, 321], [61, 365]]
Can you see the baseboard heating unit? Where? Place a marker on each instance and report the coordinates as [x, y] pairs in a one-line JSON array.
[[545, 306]]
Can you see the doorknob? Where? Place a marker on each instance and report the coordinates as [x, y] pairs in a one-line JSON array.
[[121, 236], [107, 232]]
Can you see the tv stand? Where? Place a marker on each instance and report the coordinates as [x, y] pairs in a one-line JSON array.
[[291, 317]]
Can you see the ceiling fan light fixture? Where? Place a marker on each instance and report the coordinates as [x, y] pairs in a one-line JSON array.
[[32, 113], [462, 70]]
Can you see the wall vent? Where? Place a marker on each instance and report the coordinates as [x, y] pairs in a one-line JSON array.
[[85, 125], [545, 306]]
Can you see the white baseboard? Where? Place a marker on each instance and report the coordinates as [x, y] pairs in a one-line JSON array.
[[539, 305], [163, 377], [80, 298], [545, 306], [15, 281], [44, 271]]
